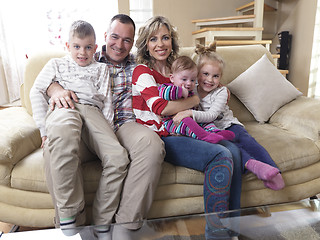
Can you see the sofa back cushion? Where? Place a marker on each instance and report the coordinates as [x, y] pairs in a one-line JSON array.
[[33, 67], [237, 59]]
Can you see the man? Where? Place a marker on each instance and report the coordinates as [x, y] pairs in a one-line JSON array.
[[145, 148]]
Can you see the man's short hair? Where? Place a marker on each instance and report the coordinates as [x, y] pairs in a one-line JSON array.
[[125, 19]]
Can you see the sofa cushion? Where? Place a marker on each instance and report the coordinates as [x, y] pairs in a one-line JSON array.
[[300, 116], [28, 174], [263, 89], [19, 140], [289, 150]]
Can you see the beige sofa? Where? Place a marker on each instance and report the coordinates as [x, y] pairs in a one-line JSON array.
[[291, 136]]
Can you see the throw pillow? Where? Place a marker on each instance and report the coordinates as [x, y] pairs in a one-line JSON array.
[[263, 89]]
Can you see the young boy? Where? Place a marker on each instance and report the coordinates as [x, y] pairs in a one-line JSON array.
[[92, 117], [183, 78]]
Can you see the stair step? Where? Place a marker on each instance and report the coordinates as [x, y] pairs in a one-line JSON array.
[[284, 72], [250, 6], [244, 42], [207, 35], [221, 29], [223, 20]]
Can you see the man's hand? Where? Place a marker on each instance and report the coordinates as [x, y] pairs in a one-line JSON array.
[[180, 116], [61, 97]]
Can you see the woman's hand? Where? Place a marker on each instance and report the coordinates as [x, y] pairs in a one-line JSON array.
[[61, 97], [181, 115], [173, 107]]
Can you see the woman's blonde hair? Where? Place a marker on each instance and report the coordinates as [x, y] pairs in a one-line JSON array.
[[146, 32], [208, 53]]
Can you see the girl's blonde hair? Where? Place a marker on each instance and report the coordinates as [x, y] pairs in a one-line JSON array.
[[206, 54], [146, 32]]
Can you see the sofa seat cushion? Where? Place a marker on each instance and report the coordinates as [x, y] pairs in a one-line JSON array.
[[289, 150], [286, 148], [175, 182], [25, 199], [28, 174], [5, 173]]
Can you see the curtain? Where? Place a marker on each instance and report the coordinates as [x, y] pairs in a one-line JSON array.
[[11, 64], [28, 27]]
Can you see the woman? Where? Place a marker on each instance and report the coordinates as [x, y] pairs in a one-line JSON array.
[[157, 48]]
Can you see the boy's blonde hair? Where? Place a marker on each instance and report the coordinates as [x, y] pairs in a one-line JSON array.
[[183, 63], [206, 54], [145, 33], [81, 29]]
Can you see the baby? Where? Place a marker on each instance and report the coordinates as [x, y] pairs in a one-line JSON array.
[[183, 78]]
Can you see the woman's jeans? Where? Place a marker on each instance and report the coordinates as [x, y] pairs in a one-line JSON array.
[[215, 160], [221, 164]]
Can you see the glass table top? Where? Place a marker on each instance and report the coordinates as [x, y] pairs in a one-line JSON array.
[[290, 221]]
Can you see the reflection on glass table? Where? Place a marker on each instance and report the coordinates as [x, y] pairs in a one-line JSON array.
[[291, 221]]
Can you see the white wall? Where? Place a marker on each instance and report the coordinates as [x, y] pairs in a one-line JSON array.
[[298, 17]]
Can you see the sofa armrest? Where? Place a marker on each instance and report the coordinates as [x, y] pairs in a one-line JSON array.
[[301, 116], [19, 135]]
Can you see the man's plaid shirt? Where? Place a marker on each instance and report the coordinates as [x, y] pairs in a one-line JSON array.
[[121, 87]]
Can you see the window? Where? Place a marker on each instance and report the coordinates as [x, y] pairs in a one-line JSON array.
[[140, 12], [27, 27], [314, 77]]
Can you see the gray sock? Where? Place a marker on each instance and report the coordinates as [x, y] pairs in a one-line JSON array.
[[120, 232], [103, 232]]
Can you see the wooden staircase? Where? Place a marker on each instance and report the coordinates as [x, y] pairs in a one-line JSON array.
[[243, 29], [247, 25]]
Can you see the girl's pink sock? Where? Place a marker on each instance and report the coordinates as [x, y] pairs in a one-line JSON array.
[[213, 138], [275, 183], [262, 170]]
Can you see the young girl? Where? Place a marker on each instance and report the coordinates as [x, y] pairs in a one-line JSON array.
[[183, 82], [213, 102]]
